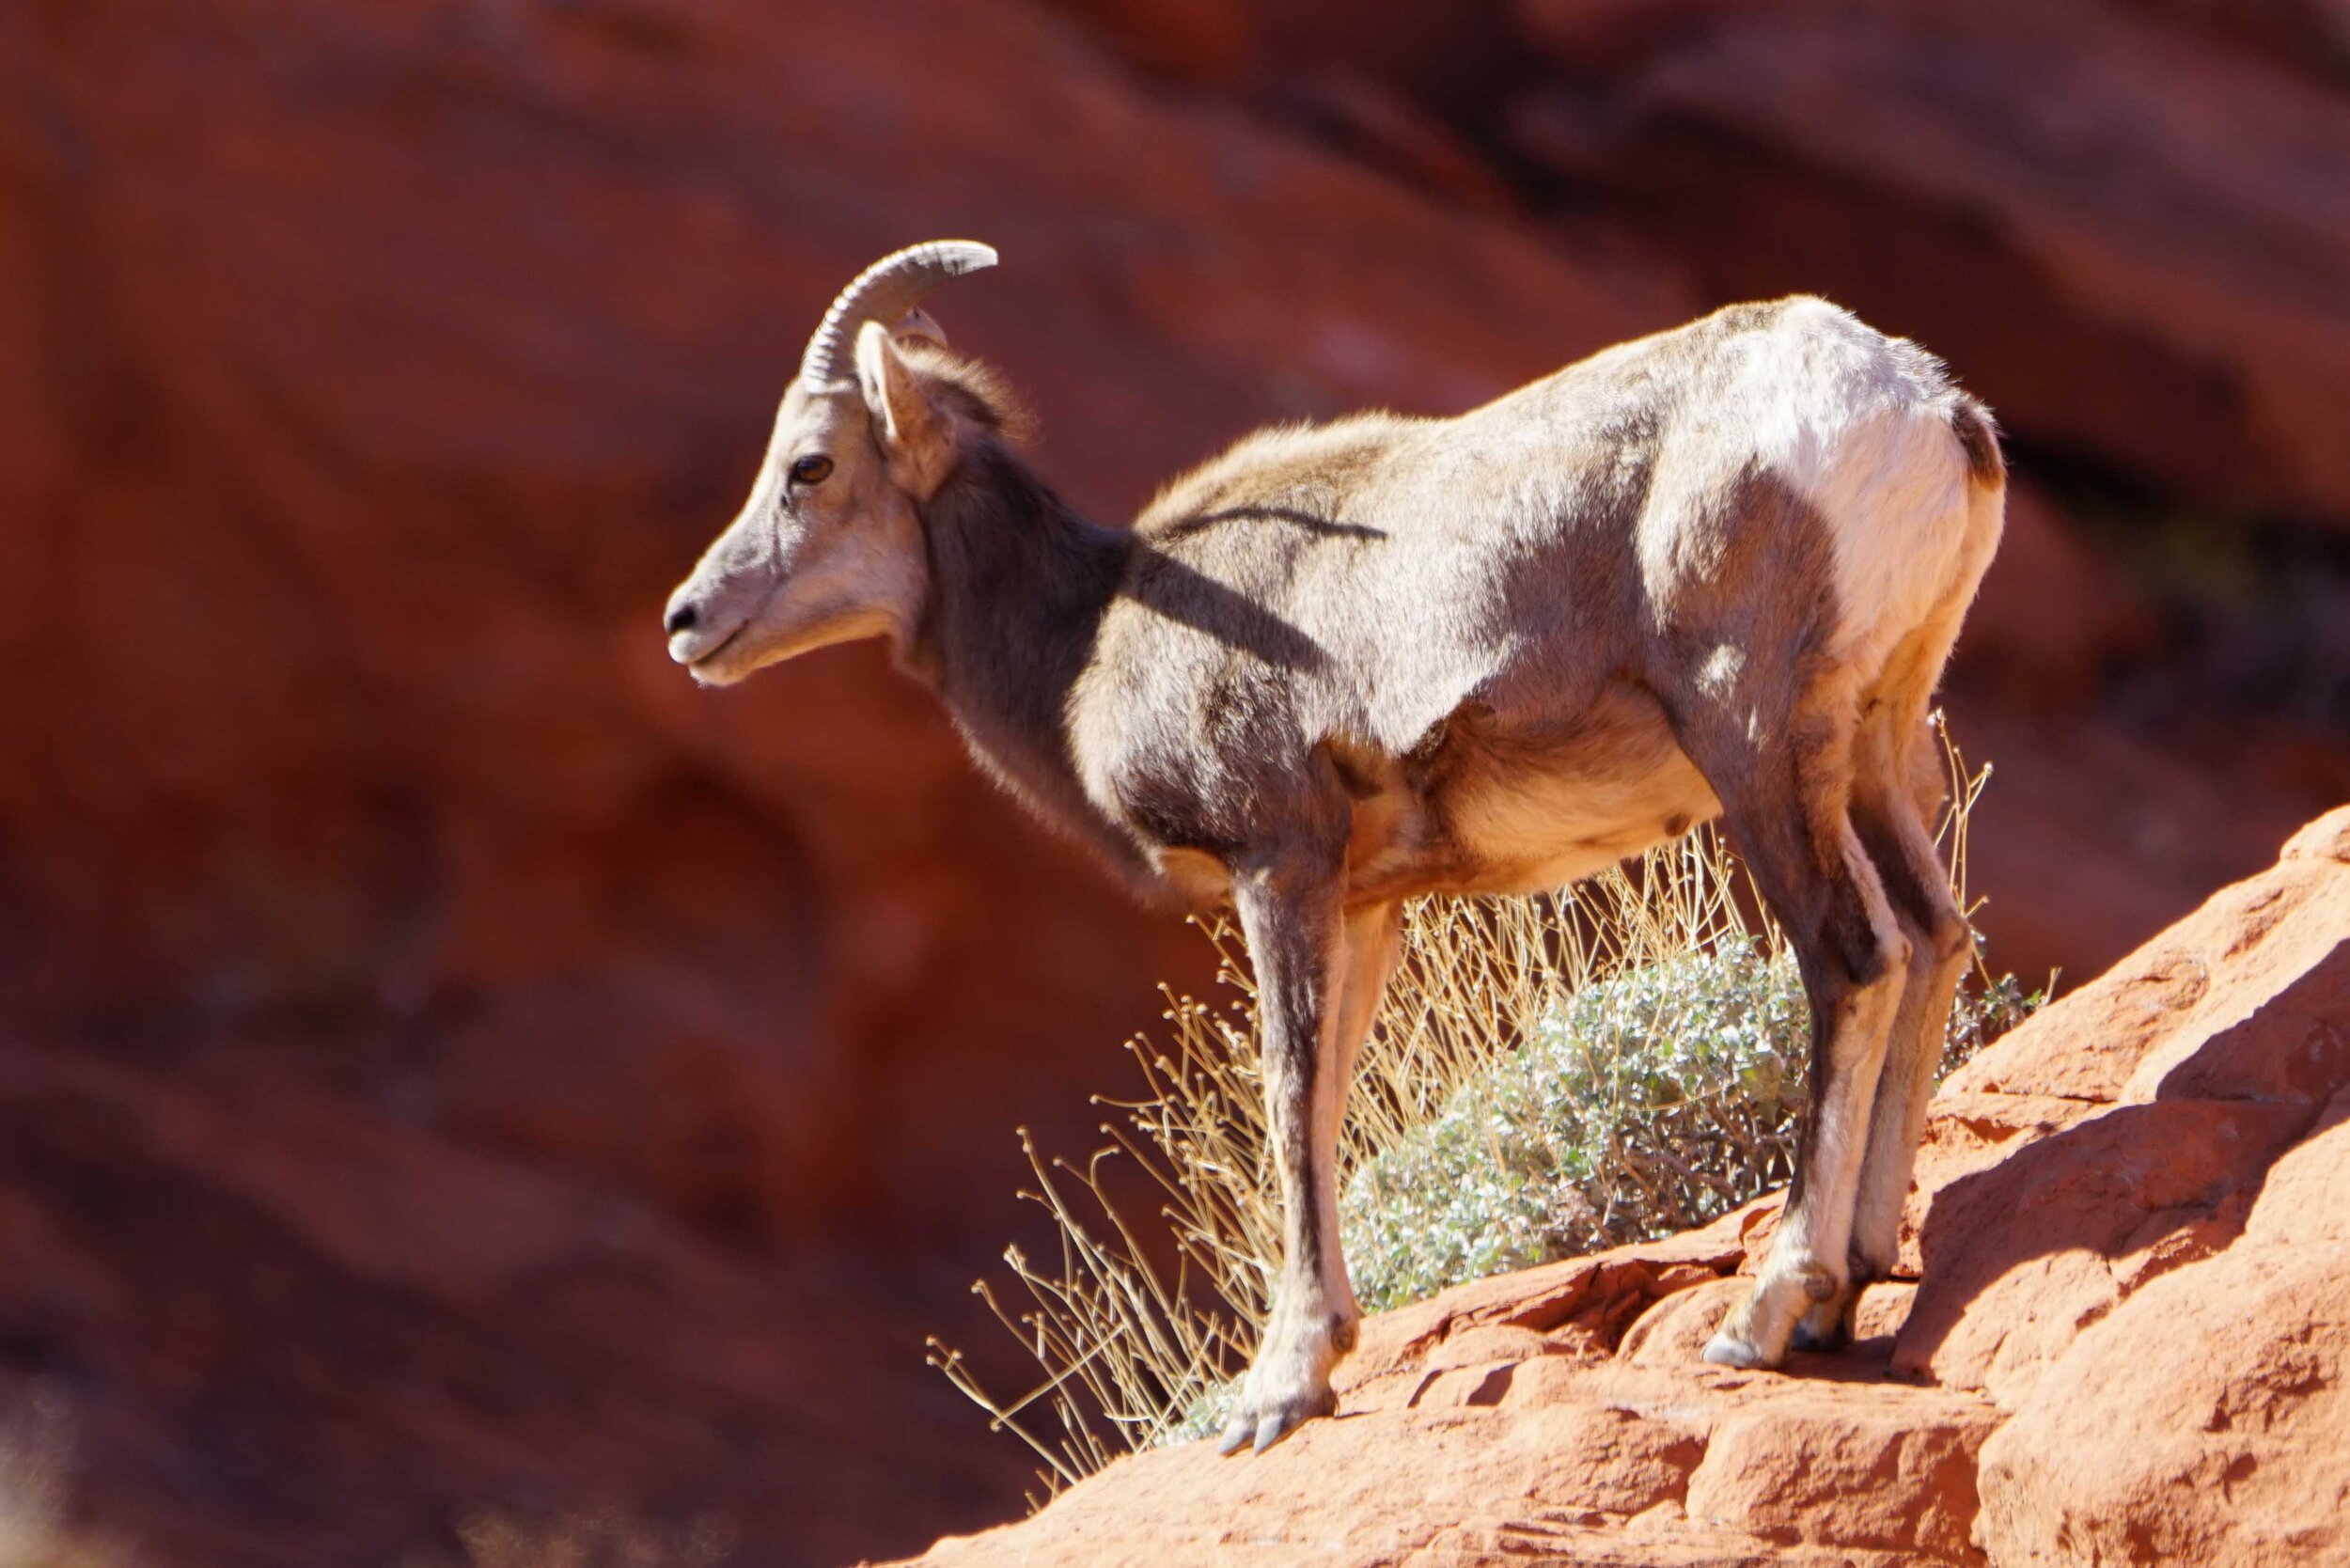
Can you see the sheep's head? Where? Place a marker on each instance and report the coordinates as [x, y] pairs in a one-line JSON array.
[[829, 547]]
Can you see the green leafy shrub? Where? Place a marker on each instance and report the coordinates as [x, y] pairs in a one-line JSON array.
[[1651, 1102]]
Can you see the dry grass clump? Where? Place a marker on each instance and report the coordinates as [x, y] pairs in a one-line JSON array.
[[1548, 1075]]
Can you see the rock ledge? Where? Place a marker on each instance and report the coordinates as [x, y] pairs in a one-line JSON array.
[[2122, 1336]]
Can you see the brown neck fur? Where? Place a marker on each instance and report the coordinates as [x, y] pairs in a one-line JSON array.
[[1018, 585]]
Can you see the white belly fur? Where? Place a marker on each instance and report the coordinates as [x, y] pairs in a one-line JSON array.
[[1543, 833]]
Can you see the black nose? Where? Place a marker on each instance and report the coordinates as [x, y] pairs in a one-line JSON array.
[[682, 619]]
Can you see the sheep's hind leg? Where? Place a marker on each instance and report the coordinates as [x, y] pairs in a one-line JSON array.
[[1786, 801], [1893, 827]]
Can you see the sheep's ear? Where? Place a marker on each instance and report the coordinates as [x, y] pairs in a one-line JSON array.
[[917, 437]]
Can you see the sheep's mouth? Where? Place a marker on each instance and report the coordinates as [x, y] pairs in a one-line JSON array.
[[702, 666]]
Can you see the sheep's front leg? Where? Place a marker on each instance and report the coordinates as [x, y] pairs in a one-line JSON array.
[[1297, 943]]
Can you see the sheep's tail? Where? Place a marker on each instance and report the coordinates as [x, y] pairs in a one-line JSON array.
[[1979, 436]]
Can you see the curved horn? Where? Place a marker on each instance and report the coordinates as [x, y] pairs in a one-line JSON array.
[[883, 292]]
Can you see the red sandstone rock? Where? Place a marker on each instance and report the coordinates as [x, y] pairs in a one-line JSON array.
[[2240, 1000], [285, 1333], [2136, 1309], [1894, 1471], [430, 410], [367, 374], [1571, 1462], [2203, 1422], [2306, 1199], [1971, 1133], [2022, 1257], [1673, 1332], [2091, 838], [2051, 617], [1919, 160], [2126, 1132]]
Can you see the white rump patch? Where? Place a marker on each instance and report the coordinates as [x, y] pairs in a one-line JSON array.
[[1860, 424]]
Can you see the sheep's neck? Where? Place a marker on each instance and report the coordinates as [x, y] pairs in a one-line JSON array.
[[1018, 585]]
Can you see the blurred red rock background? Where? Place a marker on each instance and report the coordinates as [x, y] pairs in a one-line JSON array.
[[449, 1066]]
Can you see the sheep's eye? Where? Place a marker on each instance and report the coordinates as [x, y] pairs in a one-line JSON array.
[[810, 470]]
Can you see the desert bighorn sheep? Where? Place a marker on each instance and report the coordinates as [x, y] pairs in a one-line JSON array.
[[1713, 570]]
